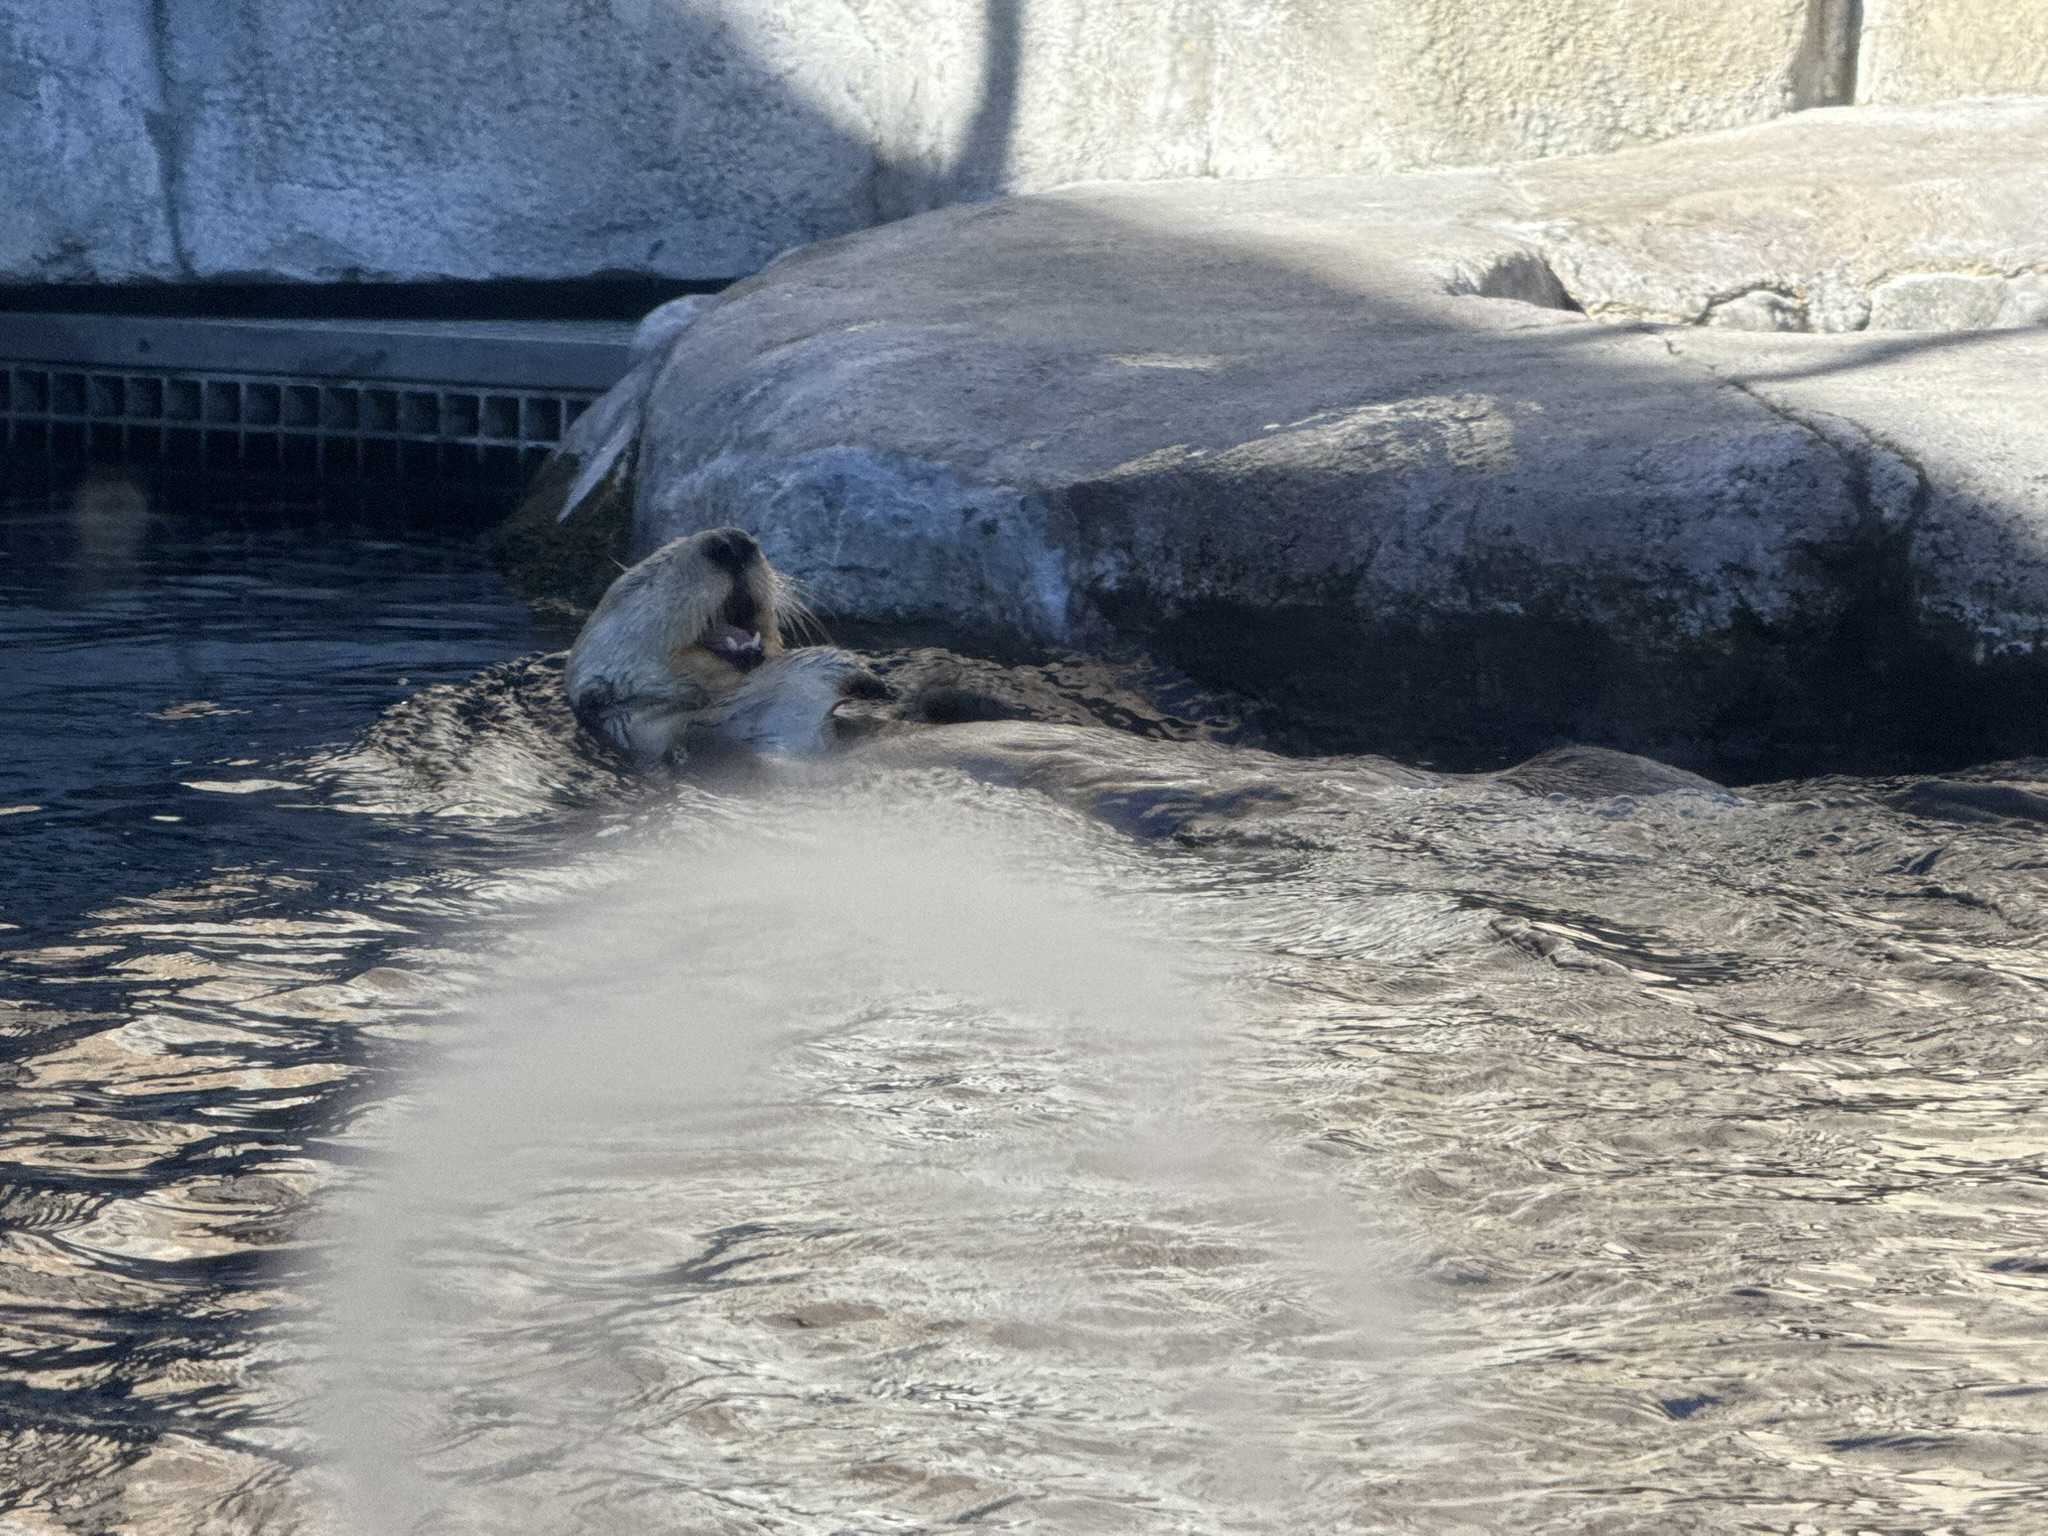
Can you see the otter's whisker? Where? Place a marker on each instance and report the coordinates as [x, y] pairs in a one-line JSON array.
[[796, 615], [803, 624]]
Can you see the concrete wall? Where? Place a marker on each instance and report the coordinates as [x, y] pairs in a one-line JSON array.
[[84, 176], [325, 139], [1307, 87], [1933, 50]]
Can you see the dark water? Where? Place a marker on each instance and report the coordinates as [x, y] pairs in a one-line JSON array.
[[1301, 1145], [158, 641]]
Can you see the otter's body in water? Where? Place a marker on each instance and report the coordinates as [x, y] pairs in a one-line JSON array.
[[684, 657], [691, 637], [690, 640]]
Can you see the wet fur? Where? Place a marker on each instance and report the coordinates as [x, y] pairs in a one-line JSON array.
[[786, 704]]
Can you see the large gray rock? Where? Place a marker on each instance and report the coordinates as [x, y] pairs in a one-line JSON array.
[[1950, 434], [1313, 441], [328, 139]]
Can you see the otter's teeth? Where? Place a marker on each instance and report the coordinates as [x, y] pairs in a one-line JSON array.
[[742, 647]]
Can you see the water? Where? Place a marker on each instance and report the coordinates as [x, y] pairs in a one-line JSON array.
[[155, 643], [1106, 1135], [168, 654]]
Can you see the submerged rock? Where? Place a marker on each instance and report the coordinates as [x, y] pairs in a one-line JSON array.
[[1949, 800], [1123, 743], [1595, 773]]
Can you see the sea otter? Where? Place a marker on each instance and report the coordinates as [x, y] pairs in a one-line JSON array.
[[692, 637]]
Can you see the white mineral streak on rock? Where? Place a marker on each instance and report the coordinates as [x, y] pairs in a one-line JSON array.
[[665, 323], [602, 435]]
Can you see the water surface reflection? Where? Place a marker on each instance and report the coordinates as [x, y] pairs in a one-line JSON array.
[[1680, 1157]]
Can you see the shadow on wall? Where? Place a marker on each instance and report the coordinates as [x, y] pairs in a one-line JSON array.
[[349, 140], [324, 140], [1824, 73], [978, 169]]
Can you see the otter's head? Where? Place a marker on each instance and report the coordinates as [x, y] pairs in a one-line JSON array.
[[675, 634], [720, 604]]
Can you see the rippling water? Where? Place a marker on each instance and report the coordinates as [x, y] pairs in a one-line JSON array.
[[1013, 1126]]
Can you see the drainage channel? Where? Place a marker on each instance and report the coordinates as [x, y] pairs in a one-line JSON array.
[[463, 401]]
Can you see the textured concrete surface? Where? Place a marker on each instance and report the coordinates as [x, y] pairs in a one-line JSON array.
[[1931, 50], [87, 179], [329, 139], [1252, 88]]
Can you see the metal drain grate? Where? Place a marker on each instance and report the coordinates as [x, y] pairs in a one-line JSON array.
[[246, 423]]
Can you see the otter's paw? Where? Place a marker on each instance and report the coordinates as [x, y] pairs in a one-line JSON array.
[[785, 705]]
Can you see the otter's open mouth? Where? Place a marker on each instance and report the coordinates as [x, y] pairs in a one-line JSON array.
[[730, 643], [734, 635]]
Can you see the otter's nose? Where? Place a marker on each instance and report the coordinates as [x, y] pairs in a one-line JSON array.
[[731, 549]]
